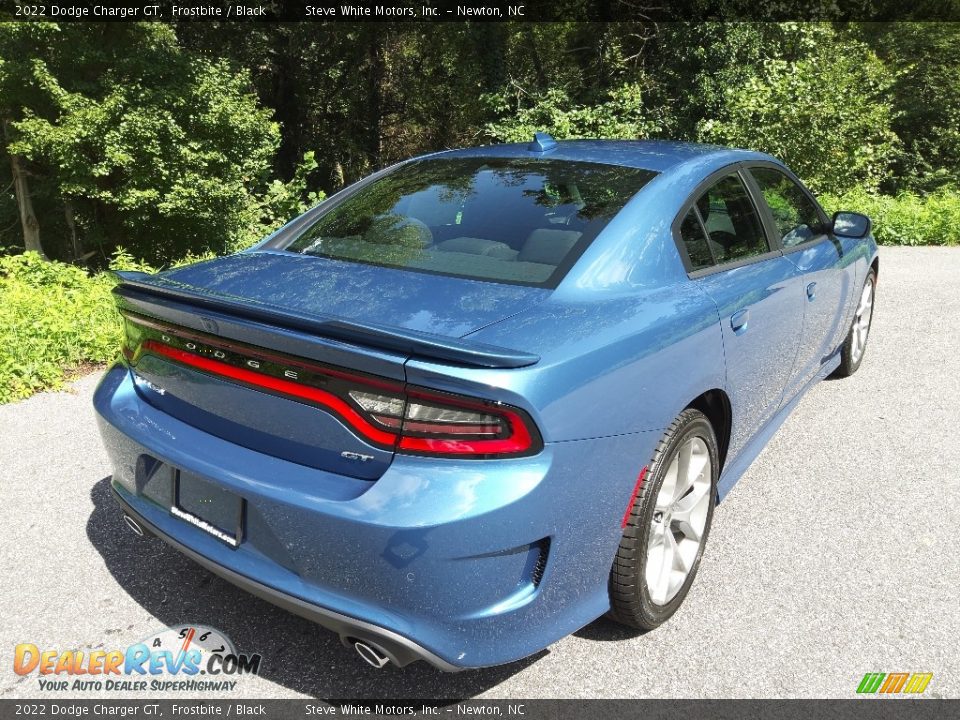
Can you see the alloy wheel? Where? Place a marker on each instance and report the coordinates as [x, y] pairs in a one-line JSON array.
[[861, 322], [678, 521]]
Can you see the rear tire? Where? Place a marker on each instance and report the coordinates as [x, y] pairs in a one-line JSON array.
[[855, 345], [667, 528]]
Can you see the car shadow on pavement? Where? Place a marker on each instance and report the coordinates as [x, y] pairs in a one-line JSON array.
[[606, 630], [297, 653]]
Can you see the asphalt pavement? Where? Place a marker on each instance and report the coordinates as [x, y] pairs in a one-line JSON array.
[[835, 555]]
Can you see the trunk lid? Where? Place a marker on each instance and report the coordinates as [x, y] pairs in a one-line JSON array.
[[355, 292], [221, 345]]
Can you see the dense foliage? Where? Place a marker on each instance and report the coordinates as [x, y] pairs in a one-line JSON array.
[[140, 142], [53, 317], [907, 218], [201, 137]]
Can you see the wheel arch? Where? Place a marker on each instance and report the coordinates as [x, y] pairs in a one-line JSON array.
[[715, 404]]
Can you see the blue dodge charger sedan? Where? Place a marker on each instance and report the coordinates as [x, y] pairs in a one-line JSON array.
[[479, 399]]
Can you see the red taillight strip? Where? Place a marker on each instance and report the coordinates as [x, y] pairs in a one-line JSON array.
[[521, 439], [267, 382], [260, 354]]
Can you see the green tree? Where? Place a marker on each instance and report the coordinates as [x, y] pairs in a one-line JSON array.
[[193, 137], [815, 99], [925, 100], [17, 42], [149, 146], [621, 115]]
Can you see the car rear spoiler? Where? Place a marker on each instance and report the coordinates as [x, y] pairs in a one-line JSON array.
[[135, 290]]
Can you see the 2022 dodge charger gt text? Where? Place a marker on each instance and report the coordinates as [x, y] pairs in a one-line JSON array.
[[477, 400]]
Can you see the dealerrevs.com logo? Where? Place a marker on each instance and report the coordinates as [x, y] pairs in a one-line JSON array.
[[191, 658]]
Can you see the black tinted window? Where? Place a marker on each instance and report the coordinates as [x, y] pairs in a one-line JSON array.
[[793, 212], [695, 240], [513, 220], [733, 228]]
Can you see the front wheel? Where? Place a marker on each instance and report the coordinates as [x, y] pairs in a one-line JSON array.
[[851, 354], [667, 528]]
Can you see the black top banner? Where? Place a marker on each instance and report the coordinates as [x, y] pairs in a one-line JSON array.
[[478, 10]]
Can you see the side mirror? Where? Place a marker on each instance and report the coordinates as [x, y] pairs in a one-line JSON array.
[[851, 224]]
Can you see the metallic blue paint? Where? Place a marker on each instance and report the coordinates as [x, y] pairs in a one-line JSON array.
[[351, 291], [438, 550]]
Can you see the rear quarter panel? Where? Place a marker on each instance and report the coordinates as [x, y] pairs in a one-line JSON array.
[[608, 367]]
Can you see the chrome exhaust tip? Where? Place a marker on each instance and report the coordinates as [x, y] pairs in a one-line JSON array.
[[133, 525], [372, 654]]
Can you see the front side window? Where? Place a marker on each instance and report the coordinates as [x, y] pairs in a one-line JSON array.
[[793, 211], [503, 219], [733, 229]]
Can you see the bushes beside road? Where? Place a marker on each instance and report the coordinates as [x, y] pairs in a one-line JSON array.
[[905, 219], [54, 319]]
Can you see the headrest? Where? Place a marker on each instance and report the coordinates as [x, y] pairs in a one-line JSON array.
[[548, 246], [478, 246]]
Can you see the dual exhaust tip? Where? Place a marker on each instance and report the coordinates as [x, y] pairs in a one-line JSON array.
[[134, 526], [370, 653]]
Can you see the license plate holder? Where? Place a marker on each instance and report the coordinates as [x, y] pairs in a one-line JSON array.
[[210, 508]]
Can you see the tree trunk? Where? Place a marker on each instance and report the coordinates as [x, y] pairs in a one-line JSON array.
[[28, 219], [490, 52], [72, 225], [289, 108], [535, 58], [337, 177], [375, 92]]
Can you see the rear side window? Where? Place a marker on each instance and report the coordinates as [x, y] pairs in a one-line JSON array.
[[512, 220], [695, 240], [731, 221], [793, 211], [723, 226]]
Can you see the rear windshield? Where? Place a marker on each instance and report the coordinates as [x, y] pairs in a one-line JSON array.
[[507, 220]]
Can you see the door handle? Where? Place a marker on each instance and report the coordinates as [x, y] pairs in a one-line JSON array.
[[739, 321], [811, 291]]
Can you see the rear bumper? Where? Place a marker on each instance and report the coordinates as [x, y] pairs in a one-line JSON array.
[[460, 563], [401, 651]]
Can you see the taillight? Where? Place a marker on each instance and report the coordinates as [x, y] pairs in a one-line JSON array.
[[385, 413], [434, 424]]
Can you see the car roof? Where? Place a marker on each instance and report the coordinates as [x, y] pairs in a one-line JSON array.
[[656, 155]]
